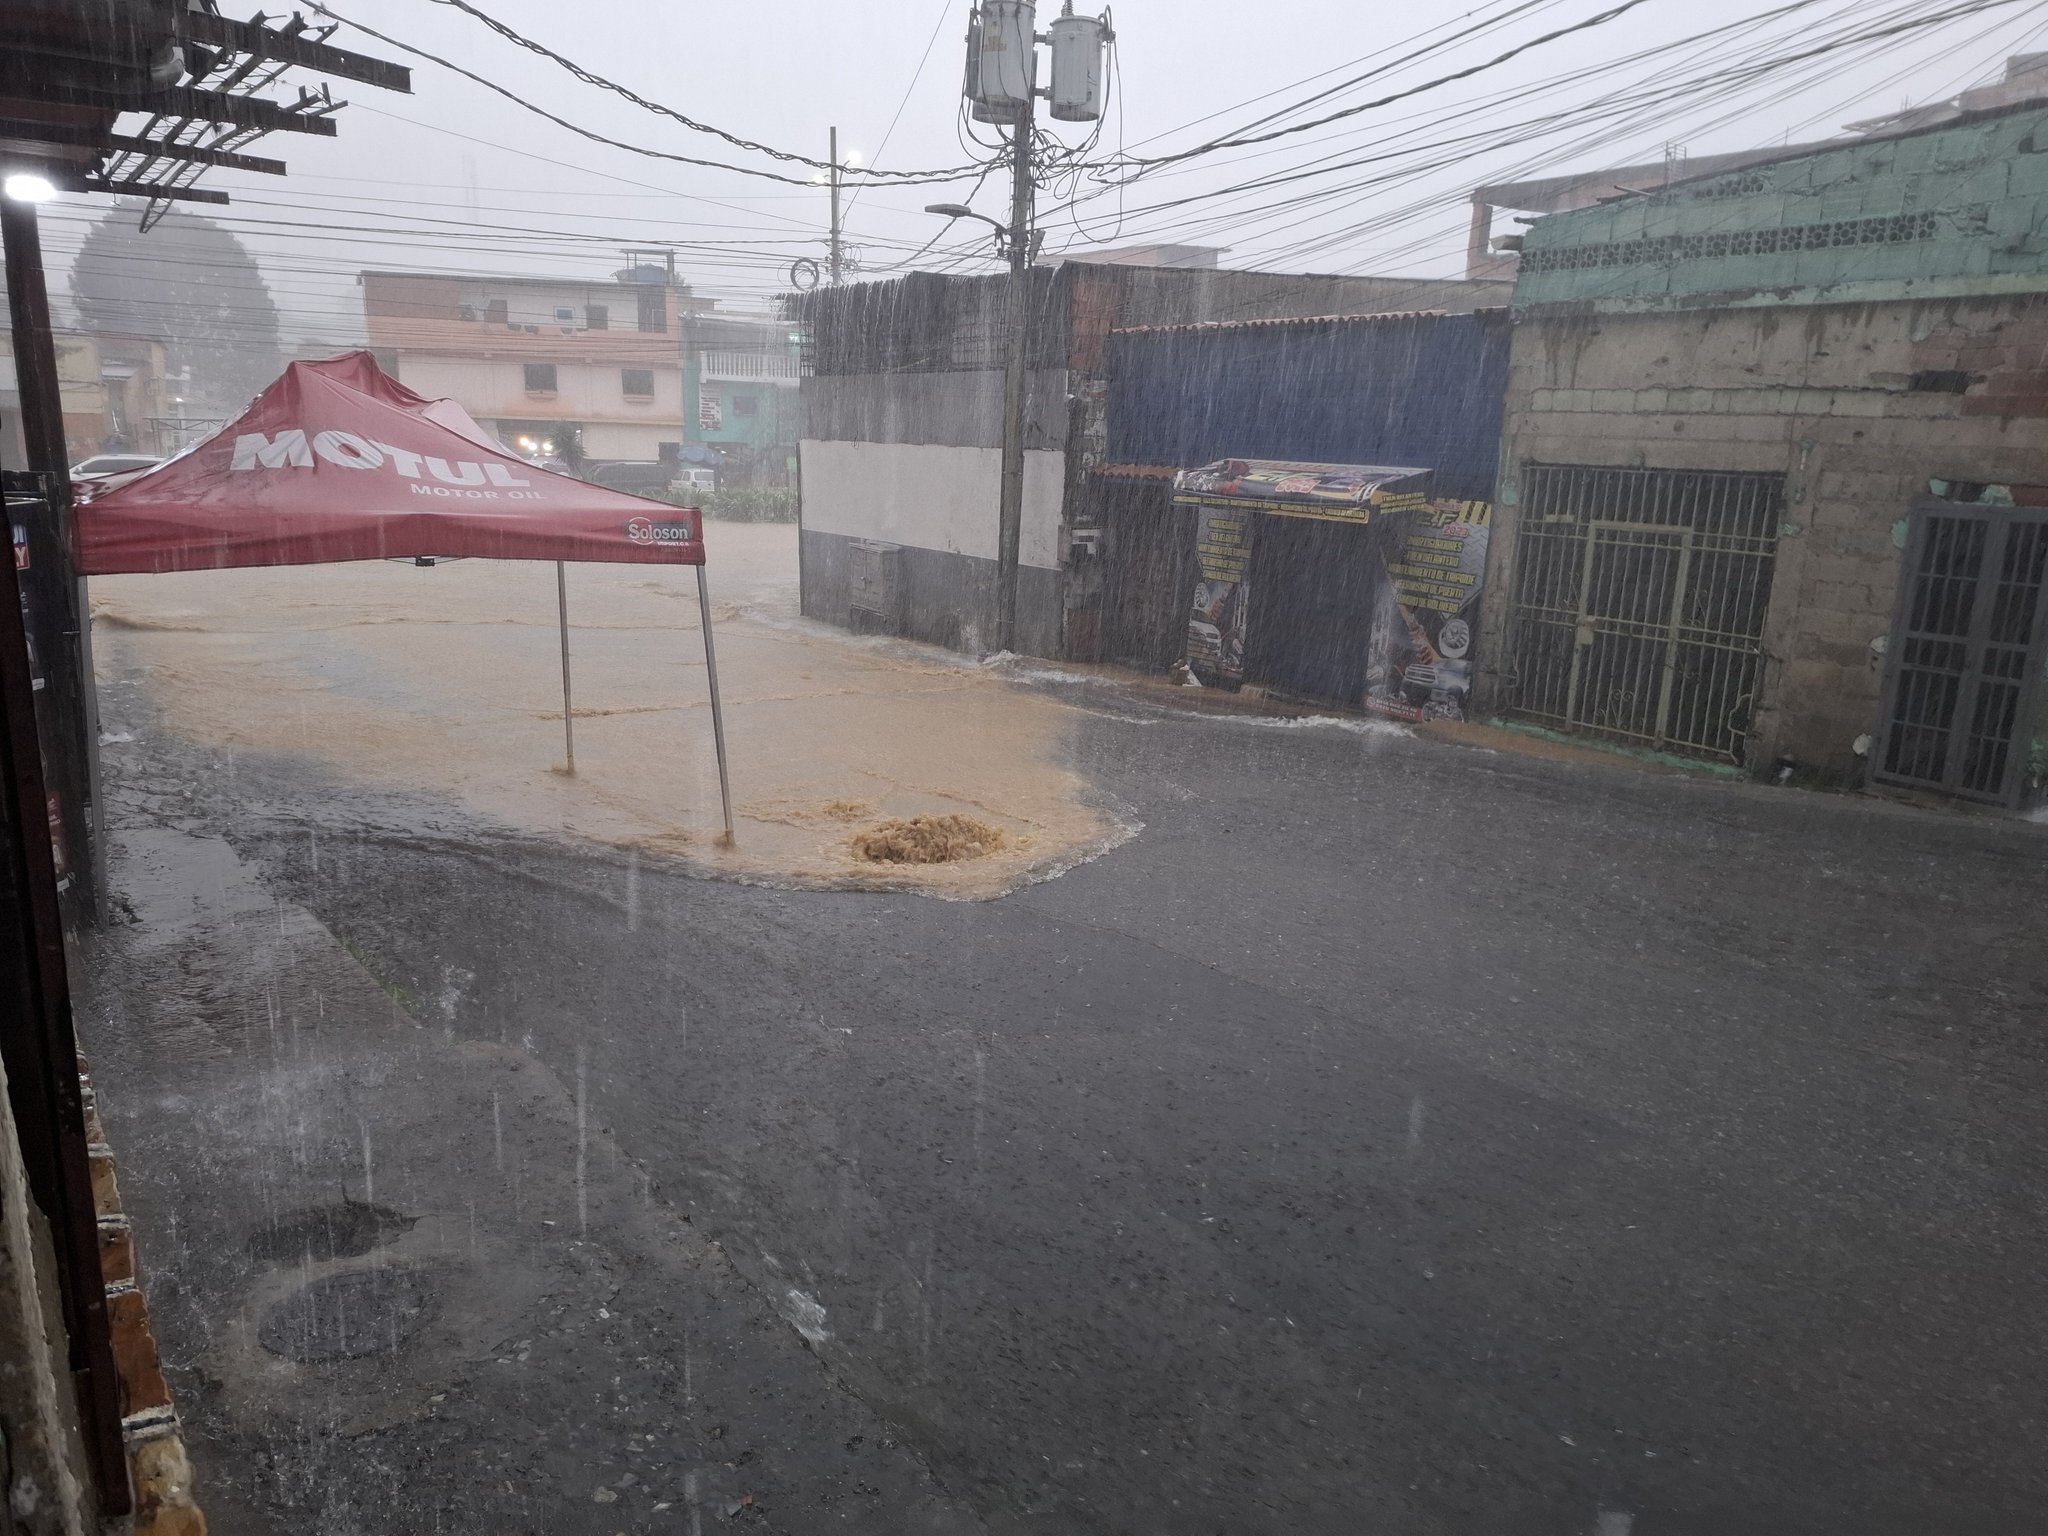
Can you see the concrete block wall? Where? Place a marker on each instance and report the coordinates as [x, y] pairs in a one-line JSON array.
[[1824, 396]]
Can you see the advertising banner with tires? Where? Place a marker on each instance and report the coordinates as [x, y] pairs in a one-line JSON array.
[[1216, 623], [1419, 663]]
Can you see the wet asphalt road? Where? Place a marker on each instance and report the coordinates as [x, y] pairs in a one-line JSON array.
[[1393, 1137]]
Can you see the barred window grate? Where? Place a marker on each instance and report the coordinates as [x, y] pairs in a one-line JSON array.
[[1966, 642]]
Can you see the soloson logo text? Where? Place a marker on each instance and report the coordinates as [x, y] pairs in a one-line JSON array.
[[644, 530]]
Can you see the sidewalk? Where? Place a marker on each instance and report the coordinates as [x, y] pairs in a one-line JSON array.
[[402, 1285]]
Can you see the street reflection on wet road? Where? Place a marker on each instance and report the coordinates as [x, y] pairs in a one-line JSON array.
[[1389, 1136]]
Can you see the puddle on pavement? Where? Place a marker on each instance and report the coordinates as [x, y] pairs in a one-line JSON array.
[[343, 1230], [447, 681], [348, 1315]]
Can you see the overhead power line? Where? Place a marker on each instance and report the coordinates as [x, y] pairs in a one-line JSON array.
[[1872, 41], [1600, 18], [586, 170], [945, 8], [1501, 19], [1767, 60], [592, 78], [882, 178]]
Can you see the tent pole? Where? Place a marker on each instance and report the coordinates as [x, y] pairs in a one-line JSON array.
[[95, 785], [717, 716], [568, 714]]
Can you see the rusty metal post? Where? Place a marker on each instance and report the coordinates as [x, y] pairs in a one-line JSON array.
[[70, 714], [40, 1051]]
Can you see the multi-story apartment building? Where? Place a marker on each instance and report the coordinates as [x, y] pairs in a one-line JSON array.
[[597, 364], [630, 367]]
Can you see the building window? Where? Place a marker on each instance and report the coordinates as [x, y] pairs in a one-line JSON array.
[[597, 317], [495, 313], [654, 310], [565, 315], [540, 378], [637, 381], [745, 405]]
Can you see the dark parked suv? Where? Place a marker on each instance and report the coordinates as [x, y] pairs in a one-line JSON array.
[[640, 479]]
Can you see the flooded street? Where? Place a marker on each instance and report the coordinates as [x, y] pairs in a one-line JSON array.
[[446, 682], [1390, 1135]]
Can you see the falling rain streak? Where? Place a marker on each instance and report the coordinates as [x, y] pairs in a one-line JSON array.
[[1371, 730]]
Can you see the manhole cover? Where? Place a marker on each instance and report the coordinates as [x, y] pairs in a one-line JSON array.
[[361, 1312], [928, 840]]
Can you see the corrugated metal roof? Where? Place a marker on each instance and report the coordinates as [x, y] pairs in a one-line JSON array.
[[1249, 325], [1415, 387]]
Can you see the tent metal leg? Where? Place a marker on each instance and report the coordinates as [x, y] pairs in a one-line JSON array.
[[95, 785], [717, 715], [568, 713]]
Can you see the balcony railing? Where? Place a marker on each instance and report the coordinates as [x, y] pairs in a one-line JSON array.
[[755, 366]]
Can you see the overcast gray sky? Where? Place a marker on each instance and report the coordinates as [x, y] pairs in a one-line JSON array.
[[456, 178]]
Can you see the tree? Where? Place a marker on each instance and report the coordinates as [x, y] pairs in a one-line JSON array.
[[568, 441], [191, 285]]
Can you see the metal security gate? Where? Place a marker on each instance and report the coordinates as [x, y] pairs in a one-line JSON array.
[[1638, 603], [1148, 569], [1966, 652]]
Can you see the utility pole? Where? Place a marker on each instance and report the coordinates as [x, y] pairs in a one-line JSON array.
[[1002, 84], [1010, 508], [835, 208], [38, 1047]]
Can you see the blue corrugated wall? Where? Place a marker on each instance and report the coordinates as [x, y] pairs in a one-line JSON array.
[[1405, 389]]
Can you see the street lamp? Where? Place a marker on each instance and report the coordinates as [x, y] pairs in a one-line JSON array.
[[27, 187], [962, 211]]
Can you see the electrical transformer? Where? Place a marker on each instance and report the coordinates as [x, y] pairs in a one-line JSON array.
[[971, 87], [1077, 44], [1003, 64]]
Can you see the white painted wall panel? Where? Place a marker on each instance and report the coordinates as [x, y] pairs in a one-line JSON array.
[[623, 440], [931, 497]]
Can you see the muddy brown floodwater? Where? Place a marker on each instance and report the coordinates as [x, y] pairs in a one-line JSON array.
[[447, 680]]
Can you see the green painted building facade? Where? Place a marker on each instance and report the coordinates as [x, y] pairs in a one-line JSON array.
[[1948, 212], [741, 396]]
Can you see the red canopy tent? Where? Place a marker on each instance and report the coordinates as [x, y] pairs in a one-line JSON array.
[[338, 461]]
